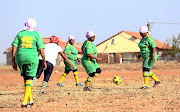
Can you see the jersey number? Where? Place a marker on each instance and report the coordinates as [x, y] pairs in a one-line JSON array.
[[27, 42]]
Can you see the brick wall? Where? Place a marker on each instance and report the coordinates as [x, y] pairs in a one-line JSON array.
[[103, 56], [118, 55]]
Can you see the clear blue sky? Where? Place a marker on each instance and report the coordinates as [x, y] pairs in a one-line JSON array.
[[75, 17]]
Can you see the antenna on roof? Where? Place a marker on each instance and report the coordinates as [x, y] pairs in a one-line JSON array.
[[150, 22]]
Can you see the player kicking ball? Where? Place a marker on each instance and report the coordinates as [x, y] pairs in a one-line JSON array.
[[71, 52], [52, 49], [148, 53], [25, 52]]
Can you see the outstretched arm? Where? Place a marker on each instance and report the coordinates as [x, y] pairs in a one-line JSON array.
[[65, 57]]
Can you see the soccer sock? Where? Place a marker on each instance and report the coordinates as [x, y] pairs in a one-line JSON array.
[[30, 96], [76, 77], [153, 76], [89, 79], [27, 93], [44, 84], [34, 81], [96, 74], [146, 78], [63, 77]]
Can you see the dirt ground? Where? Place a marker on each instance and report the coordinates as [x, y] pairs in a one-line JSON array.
[[105, 97]]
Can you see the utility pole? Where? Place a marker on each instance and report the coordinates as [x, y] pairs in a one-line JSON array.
[[149, 25]]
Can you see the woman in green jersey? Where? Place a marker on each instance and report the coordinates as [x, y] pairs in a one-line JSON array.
[[71, 52], [148, 53], [25, 52], [89, 59]]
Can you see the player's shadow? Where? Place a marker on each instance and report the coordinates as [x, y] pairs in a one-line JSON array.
[[6, 94], [96, 88], [126, 88]]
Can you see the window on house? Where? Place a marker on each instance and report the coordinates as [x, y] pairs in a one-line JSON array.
[[132, 39], [112, 41], [112, 57]]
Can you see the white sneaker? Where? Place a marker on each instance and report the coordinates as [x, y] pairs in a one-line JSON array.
[[144, 87], [23, 105]]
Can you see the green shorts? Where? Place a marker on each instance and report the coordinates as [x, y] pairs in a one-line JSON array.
[[29, 69], [90, 66], [67, 67], [148, 63]]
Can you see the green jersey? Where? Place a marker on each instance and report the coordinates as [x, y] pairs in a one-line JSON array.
[[146, 45], [89, 48], [28, 43], [71, 52]]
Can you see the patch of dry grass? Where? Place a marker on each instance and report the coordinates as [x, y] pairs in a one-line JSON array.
[[105, 97]]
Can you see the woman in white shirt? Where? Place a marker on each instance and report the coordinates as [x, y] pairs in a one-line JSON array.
[[52, 49]]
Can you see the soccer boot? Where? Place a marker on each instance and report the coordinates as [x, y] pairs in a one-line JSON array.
[[86, 89], [144, 87], [23, 105], [59, 84], [30, 104], [156, 83], [79, 84]]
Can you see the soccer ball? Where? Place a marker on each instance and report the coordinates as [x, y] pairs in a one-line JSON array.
[[117, 80]]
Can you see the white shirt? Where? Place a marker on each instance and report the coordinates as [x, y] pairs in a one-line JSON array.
[[51, 52]]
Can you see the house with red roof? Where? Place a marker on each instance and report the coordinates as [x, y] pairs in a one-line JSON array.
[[59, 61], [123, 47], [62, 44]]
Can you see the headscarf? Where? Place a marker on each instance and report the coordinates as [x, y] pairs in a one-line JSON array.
[[53, 39], [144, 29], [71, 37], [89, 34], [30, 25]]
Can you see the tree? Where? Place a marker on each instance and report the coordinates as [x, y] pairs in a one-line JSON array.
[[175, 43]]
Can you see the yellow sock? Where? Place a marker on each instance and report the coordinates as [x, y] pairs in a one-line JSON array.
[[27, 93], [89, 79], [153, 76], [62, 77], [96, 74], [76, 77], [30, 95], [146, 78]]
